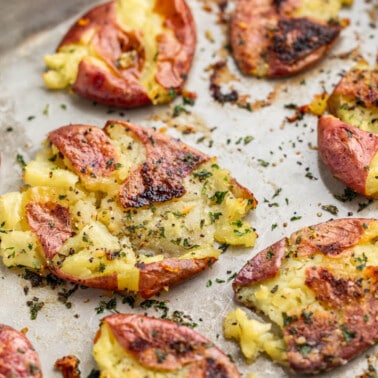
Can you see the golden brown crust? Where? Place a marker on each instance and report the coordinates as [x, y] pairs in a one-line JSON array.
[[164, 345], [345, 323], [119, 86], [347, 151], [358, 85], [68, 366], [17, 355], [241, 191], [160, 177], [267, 41]]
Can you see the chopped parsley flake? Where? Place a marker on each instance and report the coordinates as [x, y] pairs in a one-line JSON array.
[[218, 197]]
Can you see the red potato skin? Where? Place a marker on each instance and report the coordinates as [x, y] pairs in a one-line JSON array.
[[158, 276], [110, 86], [263, 33], [121, 87], [351, 308], [51, 223], [88, 149], [175, 54], [17, 355], [99, 85], [265, 265], [347, 151], [141, 336]]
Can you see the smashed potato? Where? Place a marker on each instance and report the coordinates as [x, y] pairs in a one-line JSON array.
[[347, 139], [139, 346], [281, 38], [123, 208], [17, 355], [318, 287], [126, 53]]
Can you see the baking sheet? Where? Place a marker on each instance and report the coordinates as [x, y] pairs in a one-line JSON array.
[[280, 165]]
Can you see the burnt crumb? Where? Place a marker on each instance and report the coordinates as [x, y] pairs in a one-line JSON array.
[[53, 281], [35, 279], [68, 366], [221, 97], [219, 69]]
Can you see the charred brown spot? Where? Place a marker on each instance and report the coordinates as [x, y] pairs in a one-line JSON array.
[[160, 177], [215, 370], [139, 345], [296, 38], [360, 84], [181, 347], [331, 290]]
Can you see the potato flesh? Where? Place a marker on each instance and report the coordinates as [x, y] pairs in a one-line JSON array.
[[11, 211], [45, 173], [130, 152], [140, 15], [345, 108], [287, 295], [20, 248], [322, 10], [114, 362], [372, 178], [254, 336], [63, 66], [185, 228], [346, 105], [95, 248], [132, 15]]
